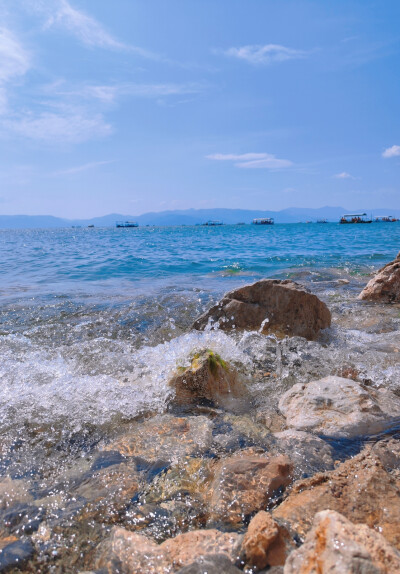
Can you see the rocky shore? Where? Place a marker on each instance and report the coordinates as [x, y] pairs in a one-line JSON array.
[[230, 478]]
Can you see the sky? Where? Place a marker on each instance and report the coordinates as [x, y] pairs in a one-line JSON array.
[[133, 106]]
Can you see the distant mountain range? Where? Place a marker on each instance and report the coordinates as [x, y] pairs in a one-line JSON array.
[[187, 217]]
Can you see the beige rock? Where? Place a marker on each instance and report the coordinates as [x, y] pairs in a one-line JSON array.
[[244, 484], [360, 489], [337, 546], [209, 377], [13, 492], [335, 406], [165, 437], [275, 306], [265, 543], [133, 553], [385, 286]]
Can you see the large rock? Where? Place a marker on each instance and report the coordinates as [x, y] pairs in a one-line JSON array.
[[270, 305], [133, 553], [360, 489], [335, 406], [265, 543], [385, 286], [244, 484], [165, 437], [337, 546], [208, 377]]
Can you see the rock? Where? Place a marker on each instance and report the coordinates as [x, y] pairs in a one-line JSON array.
[[338, 546], [360, 489], [385, 286], [210, 564], [208, 377], [244, 484], [14, 553], [340, 407], [270, 305], [265, 543], [133, 553], [309, 453], [14, 491], [165, 437], [388, 452]]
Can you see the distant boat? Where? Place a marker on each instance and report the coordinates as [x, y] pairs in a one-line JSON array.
[[385, 219], [91, 225], [213, 222], [126, 224], [355, 218], [322, 221], [308, 221], [263, 221]]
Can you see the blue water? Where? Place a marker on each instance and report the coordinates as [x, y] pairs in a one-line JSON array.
[[68, 260]]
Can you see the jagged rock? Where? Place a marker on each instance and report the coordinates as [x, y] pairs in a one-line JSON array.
[[165, 437], [272, 305], [208, 377], [335, 406], [14, 553], [338, 546], [309, 453], [385, 286], [133, 553], [360, 489], [244, 484], [265, 543], [388, 452], [210, 564]]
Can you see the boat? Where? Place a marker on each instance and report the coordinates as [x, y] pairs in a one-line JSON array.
[[126, 224], [91, 226], [385, 219], [355, 218], [263, 221], [213, 222], [322, 221]]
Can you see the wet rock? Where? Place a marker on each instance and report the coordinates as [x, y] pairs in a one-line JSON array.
[[165, 437], [340, 407], [309, 453], [14, 492], [338, 546], [385, 286], [265, 543], [133, 553], [210, 564], [14, 553], [248, 431], [275, 306], [211, 378], [244, 484], [388, 452], [22, 518], [272, 420], [360, 489]]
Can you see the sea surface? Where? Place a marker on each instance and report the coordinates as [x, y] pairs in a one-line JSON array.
[[94, 322]]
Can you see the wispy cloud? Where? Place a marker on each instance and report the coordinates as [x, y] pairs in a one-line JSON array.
[[253, 160], [265, 55], [393, 151], [14, 63], [80, 168], [344, 175], [108, 94]]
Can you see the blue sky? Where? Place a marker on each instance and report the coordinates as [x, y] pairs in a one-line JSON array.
[[146, 105]]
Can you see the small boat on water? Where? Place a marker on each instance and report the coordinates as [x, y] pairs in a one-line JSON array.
[[126, 224], [385, 219], [355, 218], [263, 221], [322, 221], [213, 222]]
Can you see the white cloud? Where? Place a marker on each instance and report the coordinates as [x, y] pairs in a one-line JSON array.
[[14, 63], [393, 151], [81, 168], [253, 160], [109, 93], [344, 175], [264, 55]]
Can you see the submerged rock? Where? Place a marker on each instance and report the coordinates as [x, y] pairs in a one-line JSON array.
[[273, 306], [265, 543], [360, 489], [14, 553], [338, 546], [133, 553], [165, 437], [385, 286], [340, 407], [244, 484], [210, 564], [309, 453], [208, 377]]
